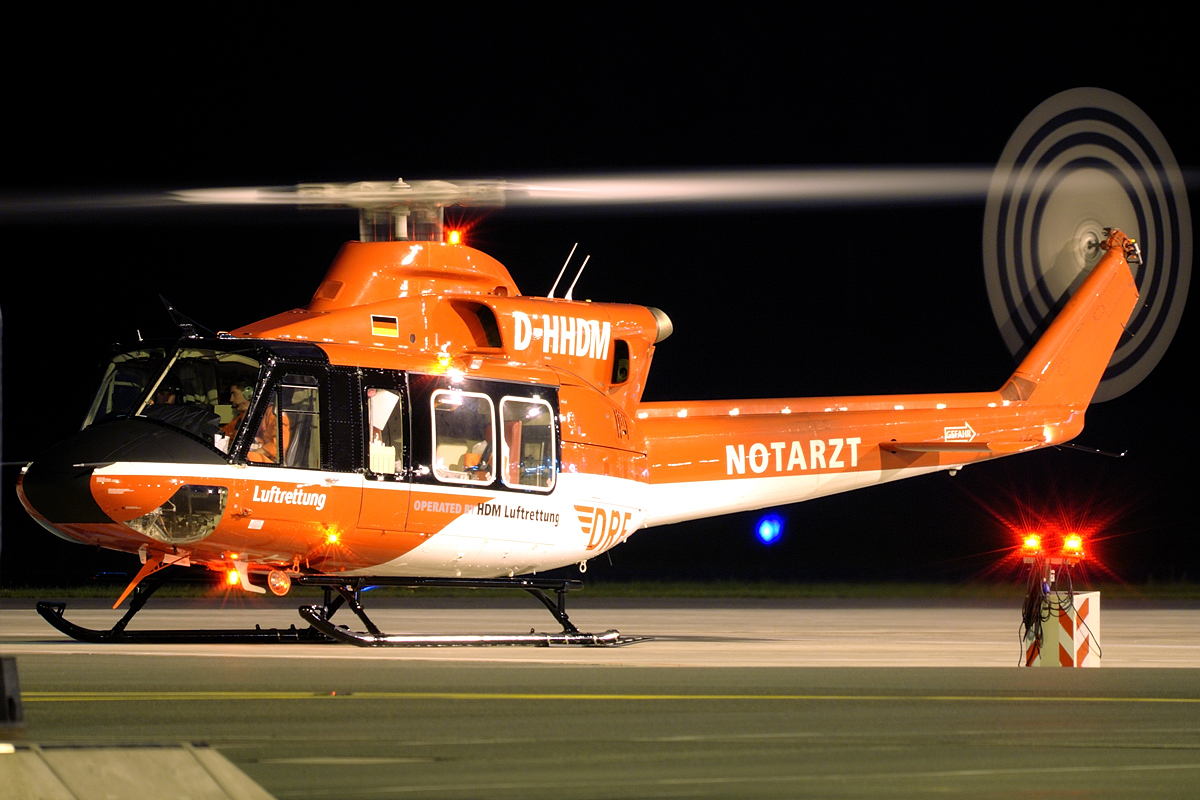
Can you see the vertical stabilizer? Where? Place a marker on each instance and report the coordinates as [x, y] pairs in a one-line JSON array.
[[1066, 364]]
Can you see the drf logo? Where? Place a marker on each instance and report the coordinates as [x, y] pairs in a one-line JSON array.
[[604, 527]]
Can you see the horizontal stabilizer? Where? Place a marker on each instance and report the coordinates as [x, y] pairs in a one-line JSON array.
[[956, 447]]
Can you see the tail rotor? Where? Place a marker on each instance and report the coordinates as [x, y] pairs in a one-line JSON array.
[[1086, 160]]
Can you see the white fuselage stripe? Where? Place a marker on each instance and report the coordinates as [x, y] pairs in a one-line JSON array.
[[678, 502]]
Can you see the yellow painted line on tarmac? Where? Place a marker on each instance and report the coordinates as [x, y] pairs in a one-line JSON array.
[[100, 697]]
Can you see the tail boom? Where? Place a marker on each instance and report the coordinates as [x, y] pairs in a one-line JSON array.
[[717, 457]]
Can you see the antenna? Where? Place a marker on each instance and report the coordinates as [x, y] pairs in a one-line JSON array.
[[187, 326], [577, 274], [561, 271]]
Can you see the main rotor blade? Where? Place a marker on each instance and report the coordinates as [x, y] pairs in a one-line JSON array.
[[809, 186], [648, 190]]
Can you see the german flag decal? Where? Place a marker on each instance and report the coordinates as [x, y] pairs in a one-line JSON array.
[[385, 326]]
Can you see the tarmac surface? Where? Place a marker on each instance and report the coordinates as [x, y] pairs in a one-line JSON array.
[[729, 699]]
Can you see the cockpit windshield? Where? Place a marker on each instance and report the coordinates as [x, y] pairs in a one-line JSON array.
[[125, 382], [203, 391]]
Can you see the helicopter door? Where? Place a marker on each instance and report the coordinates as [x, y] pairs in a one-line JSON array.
[[385, 422], [287, 432]]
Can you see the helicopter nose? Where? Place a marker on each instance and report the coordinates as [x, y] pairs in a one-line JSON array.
[[58, 485]]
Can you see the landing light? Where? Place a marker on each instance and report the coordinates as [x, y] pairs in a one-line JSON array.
[[278, 582], [454, 237], [231, 577], [332, 538]]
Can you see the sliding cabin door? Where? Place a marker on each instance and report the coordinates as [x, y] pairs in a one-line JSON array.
[[385, 451]]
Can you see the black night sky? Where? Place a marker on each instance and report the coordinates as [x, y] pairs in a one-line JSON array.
[[766, 302]]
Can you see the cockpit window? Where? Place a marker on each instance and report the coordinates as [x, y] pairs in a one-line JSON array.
[[204, 392], [289, 433], [125, 381]]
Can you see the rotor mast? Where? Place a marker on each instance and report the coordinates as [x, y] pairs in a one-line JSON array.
[[398, 212]]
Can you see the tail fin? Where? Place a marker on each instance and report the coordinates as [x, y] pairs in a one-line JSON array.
[[1066, 364]]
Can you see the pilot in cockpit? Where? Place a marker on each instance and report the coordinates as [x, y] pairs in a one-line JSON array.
[[239, 396], [167, 394]]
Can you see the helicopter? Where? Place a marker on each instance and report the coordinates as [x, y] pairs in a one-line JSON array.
[[421, 422]]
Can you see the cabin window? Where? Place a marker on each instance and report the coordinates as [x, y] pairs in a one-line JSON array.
[[463, 438], [385, 435], [527, 443]]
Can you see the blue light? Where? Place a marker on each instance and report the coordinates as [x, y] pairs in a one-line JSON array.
[[770, 529]]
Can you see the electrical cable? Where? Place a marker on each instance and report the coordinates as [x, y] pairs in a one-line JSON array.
[[1041, 604]]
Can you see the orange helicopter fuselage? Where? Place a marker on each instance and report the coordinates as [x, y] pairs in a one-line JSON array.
[[420, 417]]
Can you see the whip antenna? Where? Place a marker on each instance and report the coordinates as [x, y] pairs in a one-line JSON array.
[[577, 274], [561, 271]]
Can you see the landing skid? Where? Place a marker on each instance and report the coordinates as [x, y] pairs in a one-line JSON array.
[[117, 634], [340, 633], [341, 591], [53, 613], [318, 616]]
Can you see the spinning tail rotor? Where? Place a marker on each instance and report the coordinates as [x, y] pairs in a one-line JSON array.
[[1082, 161]]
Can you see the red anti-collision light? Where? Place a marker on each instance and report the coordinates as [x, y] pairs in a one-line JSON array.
[[1073, 545]]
